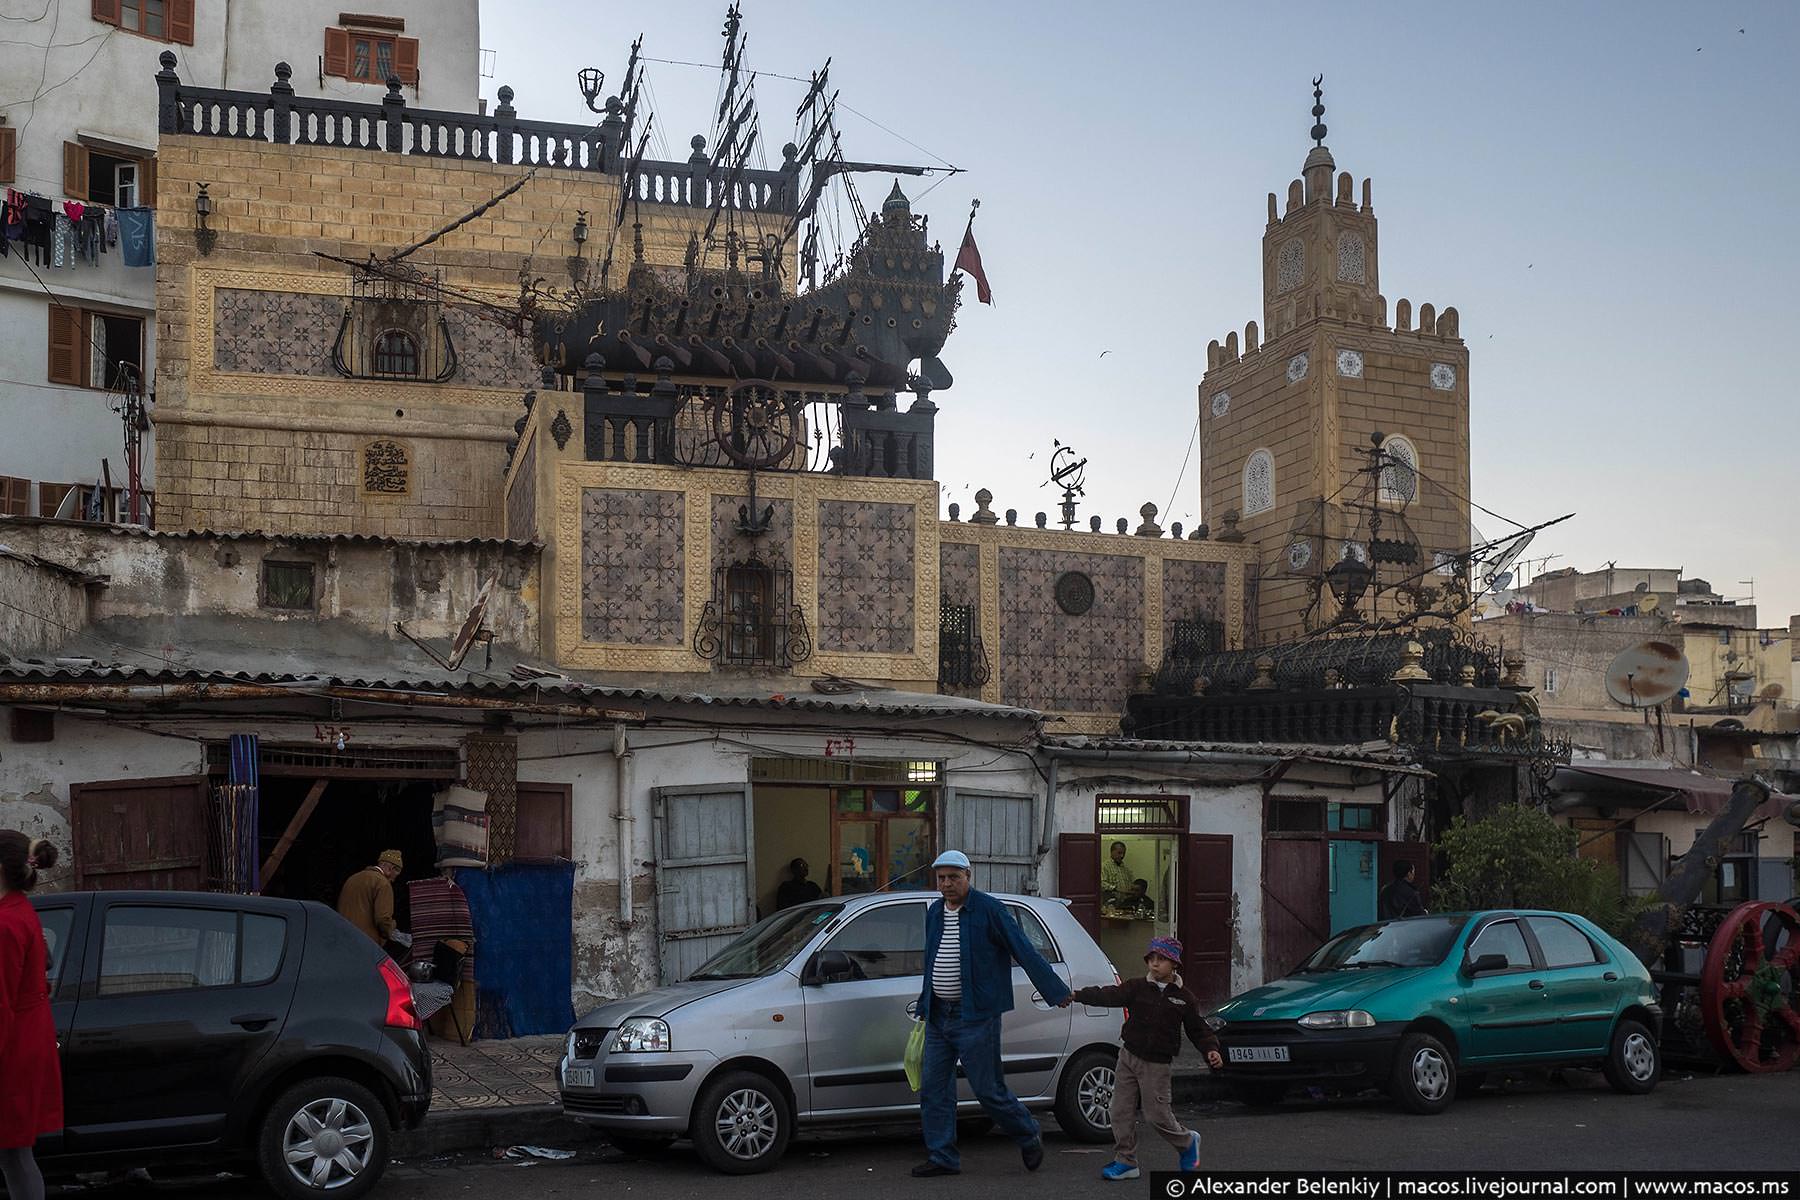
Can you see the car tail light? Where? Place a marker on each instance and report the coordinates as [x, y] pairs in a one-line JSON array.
[[400, 1011]]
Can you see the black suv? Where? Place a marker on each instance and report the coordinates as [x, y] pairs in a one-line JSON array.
[[202, 1028]]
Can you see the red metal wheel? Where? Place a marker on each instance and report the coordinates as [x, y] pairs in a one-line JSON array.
[[1748, 987]]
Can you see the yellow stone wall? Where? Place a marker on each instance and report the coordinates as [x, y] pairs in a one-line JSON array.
[[264, 450]]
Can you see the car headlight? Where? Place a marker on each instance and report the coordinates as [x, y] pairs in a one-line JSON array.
[[1339, 1018], [1215, 1023], [640, 1034]]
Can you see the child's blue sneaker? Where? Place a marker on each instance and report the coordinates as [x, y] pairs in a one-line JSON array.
[[1190, 1157], [1117, 1170]]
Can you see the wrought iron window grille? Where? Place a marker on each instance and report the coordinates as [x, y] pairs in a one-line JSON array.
[[962, 659], [751, 619], [394, 328], [1191, 640]]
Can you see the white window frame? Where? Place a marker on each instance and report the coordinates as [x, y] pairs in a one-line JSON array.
[[1263, 456]]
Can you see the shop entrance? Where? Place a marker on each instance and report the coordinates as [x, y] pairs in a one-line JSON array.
[[859, 826]]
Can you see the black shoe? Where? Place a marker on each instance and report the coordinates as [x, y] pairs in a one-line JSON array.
[[927, 1170], [1033, 1155]]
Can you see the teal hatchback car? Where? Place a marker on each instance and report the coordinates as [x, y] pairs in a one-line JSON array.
[[1425, 1007]]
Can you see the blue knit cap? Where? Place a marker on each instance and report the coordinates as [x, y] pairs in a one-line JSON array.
[[1168, 947]]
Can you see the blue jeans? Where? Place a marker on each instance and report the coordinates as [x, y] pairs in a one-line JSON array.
[[977, 1043]]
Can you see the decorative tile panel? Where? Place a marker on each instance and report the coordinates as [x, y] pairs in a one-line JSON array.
[[1443, 377], [1221, 403], [1350, 364], [1053, 661], [960, 573], [865, 577], [274, 333], [729, 546], [488, 354], [1351, 258], [1290, 265], [1191, 590], [631, 567], [1296, 368]]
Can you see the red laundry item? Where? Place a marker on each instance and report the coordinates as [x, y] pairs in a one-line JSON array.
[[73, 209], [31, 1102]]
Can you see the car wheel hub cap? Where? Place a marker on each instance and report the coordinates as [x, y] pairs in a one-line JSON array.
[[1431, 1074], [1095, 1096], [327, 1143], [747, 1124], [1640, 1057]]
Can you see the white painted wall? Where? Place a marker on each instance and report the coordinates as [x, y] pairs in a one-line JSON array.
[[35, 777], [65, 74]]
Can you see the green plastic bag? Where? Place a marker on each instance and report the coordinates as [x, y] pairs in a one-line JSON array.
[[915, 1054]]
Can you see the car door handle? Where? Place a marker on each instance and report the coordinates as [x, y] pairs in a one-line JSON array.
[[1536, 983], [254, 1021], [1611, 977], [912, 1008]]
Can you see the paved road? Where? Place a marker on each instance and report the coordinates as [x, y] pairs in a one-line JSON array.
[[1687, 1123]]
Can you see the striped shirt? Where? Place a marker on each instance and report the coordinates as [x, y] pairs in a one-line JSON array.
[[946, 969]]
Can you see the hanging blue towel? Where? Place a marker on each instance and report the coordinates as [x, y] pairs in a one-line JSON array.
[[137, 236], [523, 946]]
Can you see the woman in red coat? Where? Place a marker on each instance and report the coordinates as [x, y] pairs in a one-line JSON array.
[[31, 1099]]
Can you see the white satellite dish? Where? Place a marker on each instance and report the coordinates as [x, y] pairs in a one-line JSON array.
[[1490, 571], [1647, 674]]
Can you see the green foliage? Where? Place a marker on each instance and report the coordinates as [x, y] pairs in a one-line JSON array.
[[1520, 858]]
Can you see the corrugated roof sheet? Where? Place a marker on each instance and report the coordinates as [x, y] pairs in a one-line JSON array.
[[230, 535]]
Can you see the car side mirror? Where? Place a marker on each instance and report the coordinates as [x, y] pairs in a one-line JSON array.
[[1487, 964], [829, 966]]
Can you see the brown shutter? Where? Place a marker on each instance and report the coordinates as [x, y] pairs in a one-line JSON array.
[[406, 60], [337, 52], [66, 358], [9, 153], [75, 171], [50, 497], [15, 499], [107, 11], [147, 182], [1078, 877], [181, 21], [1205, 922]]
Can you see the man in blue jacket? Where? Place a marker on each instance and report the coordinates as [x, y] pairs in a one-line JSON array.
[[971, 943]]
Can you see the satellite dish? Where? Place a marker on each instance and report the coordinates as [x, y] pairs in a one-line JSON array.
[[1501, 582], [1507, 554], [471, 627], [1647, 674], [1649, 604]]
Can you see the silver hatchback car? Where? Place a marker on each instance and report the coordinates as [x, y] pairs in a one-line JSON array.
[[803, 1020]]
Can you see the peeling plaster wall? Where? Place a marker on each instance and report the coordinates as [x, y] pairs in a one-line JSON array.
[[1234, 809], [35, 776], [43, 606], [613, 958]]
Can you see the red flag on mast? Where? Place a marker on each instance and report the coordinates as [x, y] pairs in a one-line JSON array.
[[968, 261]]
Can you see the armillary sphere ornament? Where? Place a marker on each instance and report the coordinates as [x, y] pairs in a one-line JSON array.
[[1750, 987], [755, 424]]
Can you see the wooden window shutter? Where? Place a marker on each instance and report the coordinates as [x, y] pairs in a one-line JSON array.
[[75, 170], [15, 496], [107, 11], [406, 60], [66, 358], [337, 52], [9, 153], [147, 182], [181, 22]]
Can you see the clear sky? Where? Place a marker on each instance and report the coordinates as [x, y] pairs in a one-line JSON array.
[[1605, 192]]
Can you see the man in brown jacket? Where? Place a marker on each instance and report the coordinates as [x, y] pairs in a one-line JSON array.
[[367, 899], [1159, 1008]]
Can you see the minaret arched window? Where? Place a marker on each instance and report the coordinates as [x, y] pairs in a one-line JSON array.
[[1400, 471], [1259, 483]]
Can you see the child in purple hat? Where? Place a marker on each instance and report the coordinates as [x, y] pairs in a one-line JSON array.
[[1159, 1007]]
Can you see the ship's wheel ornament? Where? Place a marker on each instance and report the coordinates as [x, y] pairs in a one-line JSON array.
[[755, 424]]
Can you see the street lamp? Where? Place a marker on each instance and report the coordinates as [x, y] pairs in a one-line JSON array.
[[203, 237], [591, 80]]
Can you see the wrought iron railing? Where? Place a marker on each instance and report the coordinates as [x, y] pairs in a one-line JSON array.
[[751, 619], [499, 137], [962, 659]]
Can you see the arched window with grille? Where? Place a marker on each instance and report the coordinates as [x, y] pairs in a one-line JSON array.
[[396, 355], [1399, 471], [1259, 483]]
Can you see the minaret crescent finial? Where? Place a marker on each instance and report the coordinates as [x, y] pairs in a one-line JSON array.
[[1318, 111]]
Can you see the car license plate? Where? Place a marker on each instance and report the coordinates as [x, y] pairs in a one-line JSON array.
[[1258, 1054], [578, 1077]]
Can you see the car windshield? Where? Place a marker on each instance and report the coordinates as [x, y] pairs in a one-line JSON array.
[[766, 946], [1414, 942]]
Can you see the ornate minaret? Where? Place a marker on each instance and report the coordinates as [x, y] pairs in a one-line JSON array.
[[1286, 425]]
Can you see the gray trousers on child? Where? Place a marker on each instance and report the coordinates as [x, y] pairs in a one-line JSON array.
[[1135, 1081]]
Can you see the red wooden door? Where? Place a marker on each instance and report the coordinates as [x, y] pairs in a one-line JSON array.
[[1078, 877], [139, 833], [1206, 916], [1296, 903], [1416, 853]]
